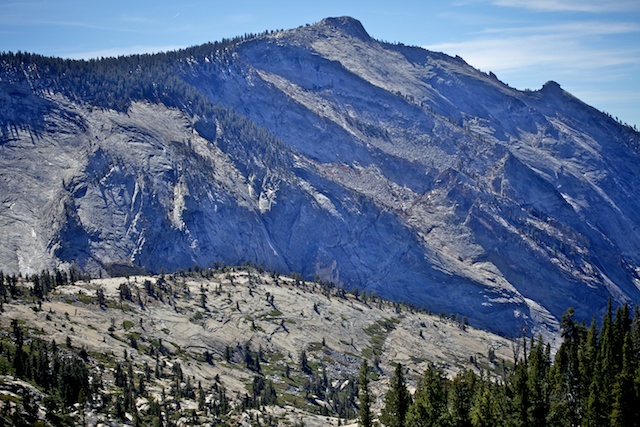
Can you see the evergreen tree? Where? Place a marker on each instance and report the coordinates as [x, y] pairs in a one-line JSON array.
[[595, 412], [429, 408], [102, 302], [624, 399], [19, 357], [485, 411], [396, 401], [3, 289], [519, 395], [461, 392], [365, 417], [588, 354], [566, 405], [539, 363], [304, 363]]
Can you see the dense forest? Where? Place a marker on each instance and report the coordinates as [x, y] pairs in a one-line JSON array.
[[116, 82], [593, 380]]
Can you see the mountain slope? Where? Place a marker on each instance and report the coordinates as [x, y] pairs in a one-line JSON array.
[[322, 151], [211, 327]]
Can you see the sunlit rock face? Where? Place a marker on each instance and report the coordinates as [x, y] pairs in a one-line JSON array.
[[382, 167]]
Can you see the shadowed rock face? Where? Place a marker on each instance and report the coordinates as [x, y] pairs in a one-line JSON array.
[[383, 167]]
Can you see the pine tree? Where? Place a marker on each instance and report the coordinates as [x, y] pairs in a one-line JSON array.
[[304, 363], [429, 408], [396, 401], [566, 405], [485, 411], [537, 383], [19, 357], [588, 354], [595, 415], [519, 394], [636, 392], [365, 417], [607, 363], [623, 410], [101, 297], [461, 392], [635, 332]]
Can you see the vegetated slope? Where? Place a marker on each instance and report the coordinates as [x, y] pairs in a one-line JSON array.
[[322, 151], [216, 346]]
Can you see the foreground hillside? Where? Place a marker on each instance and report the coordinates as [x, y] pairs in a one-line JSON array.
[[238, 346], [195, 347], [323, 151]]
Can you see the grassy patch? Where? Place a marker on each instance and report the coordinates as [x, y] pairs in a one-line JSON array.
[[314, 346], [85, 299], [127, 324], [378, 334], [274, 313], [196, 317]]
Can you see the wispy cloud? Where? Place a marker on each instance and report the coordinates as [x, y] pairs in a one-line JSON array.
[[572, 29], [589, 46], [592, 6], [513, 53], [566, 47], [135, 19]]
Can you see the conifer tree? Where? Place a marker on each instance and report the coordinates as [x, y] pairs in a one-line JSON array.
[[396, 401], [485, 411], [565, 400], [461, 393], [595, 414], [19, 355], [624, 401], [588, 355], [635, 332], [429, 408], [365, 417], [537, 383], [519, 394], [607, 363]]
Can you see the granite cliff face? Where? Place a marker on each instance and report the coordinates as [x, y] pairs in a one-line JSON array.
[[383, 167]]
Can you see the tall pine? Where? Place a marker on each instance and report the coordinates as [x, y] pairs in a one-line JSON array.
[[365, 416], [461, 393], [539, 362], [624, 402], [429, 408], [396, 401], [486, 408], [566, 406]]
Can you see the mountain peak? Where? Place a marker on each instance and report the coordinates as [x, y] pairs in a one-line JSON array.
[[551, 87], [346, 24]]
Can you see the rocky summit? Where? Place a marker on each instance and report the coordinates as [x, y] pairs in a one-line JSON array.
[[323, 151]]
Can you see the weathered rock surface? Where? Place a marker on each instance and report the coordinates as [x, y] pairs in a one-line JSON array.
[[384, 167]]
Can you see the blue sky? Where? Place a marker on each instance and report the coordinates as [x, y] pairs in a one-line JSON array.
[[590, 47]]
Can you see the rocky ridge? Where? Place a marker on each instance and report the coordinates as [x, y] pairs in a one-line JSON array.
[[383, 167]]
